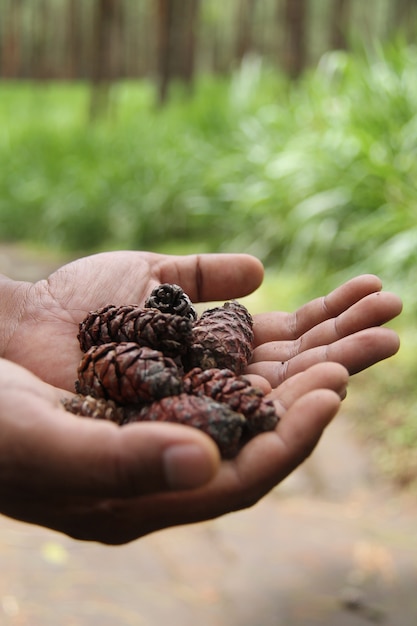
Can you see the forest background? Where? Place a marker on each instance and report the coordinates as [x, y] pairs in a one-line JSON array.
[[282, 128]]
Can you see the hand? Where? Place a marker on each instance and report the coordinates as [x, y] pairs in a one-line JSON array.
[[39, 322], [93, 480], [45, 316], [344, 326]]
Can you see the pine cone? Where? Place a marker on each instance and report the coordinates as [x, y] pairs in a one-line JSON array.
[[224, 386], [127, 373], [217, 420], [168, 333], [171, 299], [222, 338], [96, 408]]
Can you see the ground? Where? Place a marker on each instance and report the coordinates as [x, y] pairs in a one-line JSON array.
[[334, 545]]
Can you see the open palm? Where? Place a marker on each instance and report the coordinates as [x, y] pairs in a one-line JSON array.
[[343, 326]]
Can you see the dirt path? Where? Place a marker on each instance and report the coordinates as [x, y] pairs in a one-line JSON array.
[[332, 546]]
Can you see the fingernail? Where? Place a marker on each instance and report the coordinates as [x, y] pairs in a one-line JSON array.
[[187, 466]]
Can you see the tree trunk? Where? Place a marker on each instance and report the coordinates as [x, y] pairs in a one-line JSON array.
[[403, 16], [189, 29], [244, 44], [11, 52], [164, 29], [41, 67], [176, 39], [74, 40], [105, 58], [339, 23], [295, 50]]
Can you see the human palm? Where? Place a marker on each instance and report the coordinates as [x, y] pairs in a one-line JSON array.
[[342, 327], [45, 338]]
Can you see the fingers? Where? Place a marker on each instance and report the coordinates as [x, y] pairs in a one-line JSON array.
[[337, 301], [363, 349], [355, 352], [273, 456], [292, 326], [213, 276], [330, 375], [372, 310], [260, 382]]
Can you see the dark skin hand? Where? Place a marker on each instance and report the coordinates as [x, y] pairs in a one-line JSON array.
[[96, 481]]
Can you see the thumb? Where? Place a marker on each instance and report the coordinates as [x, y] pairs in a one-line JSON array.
[[138, 458], [49, 452]]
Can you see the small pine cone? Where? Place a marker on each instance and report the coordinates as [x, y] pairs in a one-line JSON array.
[[168, 333], [217, 420], [127, 373], [222, 338], [171, 299], [96, 408], [224, 386]]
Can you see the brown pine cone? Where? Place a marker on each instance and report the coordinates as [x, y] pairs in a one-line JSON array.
[[96, 408], [217, 420], [169, 333], [171, 299], [127, 373], [237, 392], [222, 338]]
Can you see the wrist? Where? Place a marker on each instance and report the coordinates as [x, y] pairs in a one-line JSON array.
[[12, 301]]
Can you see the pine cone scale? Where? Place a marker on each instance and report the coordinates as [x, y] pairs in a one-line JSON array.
[[131, 323], [237, 393], [224, 426], [127, 373], [223, 338]]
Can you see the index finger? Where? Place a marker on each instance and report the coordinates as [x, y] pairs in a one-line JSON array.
[[207, 277]]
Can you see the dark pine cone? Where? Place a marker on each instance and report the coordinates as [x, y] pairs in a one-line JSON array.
[[127, 373], [96, 408], [222, 338], [171, 299], [217, 420], [169, 333], [236, 391]]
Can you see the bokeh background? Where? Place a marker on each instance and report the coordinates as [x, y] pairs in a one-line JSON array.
[[282, 128]]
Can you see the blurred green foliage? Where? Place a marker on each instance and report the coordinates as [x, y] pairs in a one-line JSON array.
[[317, 176]]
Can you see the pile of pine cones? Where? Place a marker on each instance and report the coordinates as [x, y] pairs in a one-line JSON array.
[[162, 362]]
